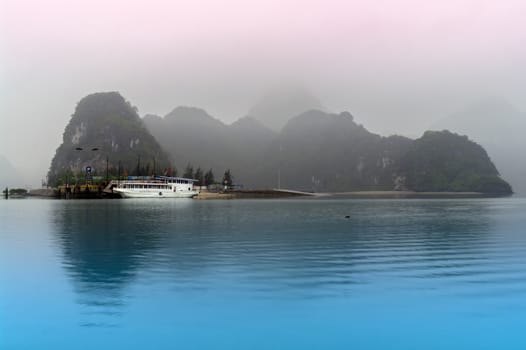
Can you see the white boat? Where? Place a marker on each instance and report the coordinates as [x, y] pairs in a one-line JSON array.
[[158, 187]]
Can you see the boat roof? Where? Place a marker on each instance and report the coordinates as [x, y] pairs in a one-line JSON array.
[[175, 178], [160, 178]]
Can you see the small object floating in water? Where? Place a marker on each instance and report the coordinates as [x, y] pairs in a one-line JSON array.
[[347, 216]]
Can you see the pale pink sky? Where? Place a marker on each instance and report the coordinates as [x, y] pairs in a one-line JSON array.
[[396, 65]]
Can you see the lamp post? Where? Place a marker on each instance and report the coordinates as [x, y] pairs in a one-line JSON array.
[[279, 167], [107, 170], [119, 173]]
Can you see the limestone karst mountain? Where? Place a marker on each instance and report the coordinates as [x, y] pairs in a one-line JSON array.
[[314, 151], [192, 136], [105, 127], [319, 151], [499, 127]]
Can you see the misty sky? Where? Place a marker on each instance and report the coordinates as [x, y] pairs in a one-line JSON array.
[[398, 66]]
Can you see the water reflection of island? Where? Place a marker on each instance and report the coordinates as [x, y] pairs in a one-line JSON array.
[[104, 244]]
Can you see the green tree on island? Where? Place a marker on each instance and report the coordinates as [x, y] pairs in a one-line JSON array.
[[189, 172], [209, 178], [198, 175], [18, 191], [227, 179]]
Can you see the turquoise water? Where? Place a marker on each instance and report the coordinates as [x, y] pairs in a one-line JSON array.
[[263, 274]]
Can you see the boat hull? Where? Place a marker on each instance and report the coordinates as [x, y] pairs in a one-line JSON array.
[[156, 187], [155, 194]]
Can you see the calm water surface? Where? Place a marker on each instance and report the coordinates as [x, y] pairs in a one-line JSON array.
[[263, 274]]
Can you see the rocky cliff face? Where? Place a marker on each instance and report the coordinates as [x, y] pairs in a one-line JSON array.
[[105, 127], [192, 136], [444, 161], [499, 127], [330, 152], [319, 151]]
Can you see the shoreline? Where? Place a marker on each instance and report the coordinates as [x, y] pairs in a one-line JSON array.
[[275, 193], [404, 193], [413, 194], [283, 193], [238, 194]]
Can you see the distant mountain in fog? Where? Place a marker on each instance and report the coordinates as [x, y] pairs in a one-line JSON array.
[[277, 107], [191, 136], [500, 128], [330, 152], [319, 151], [9, 176]]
